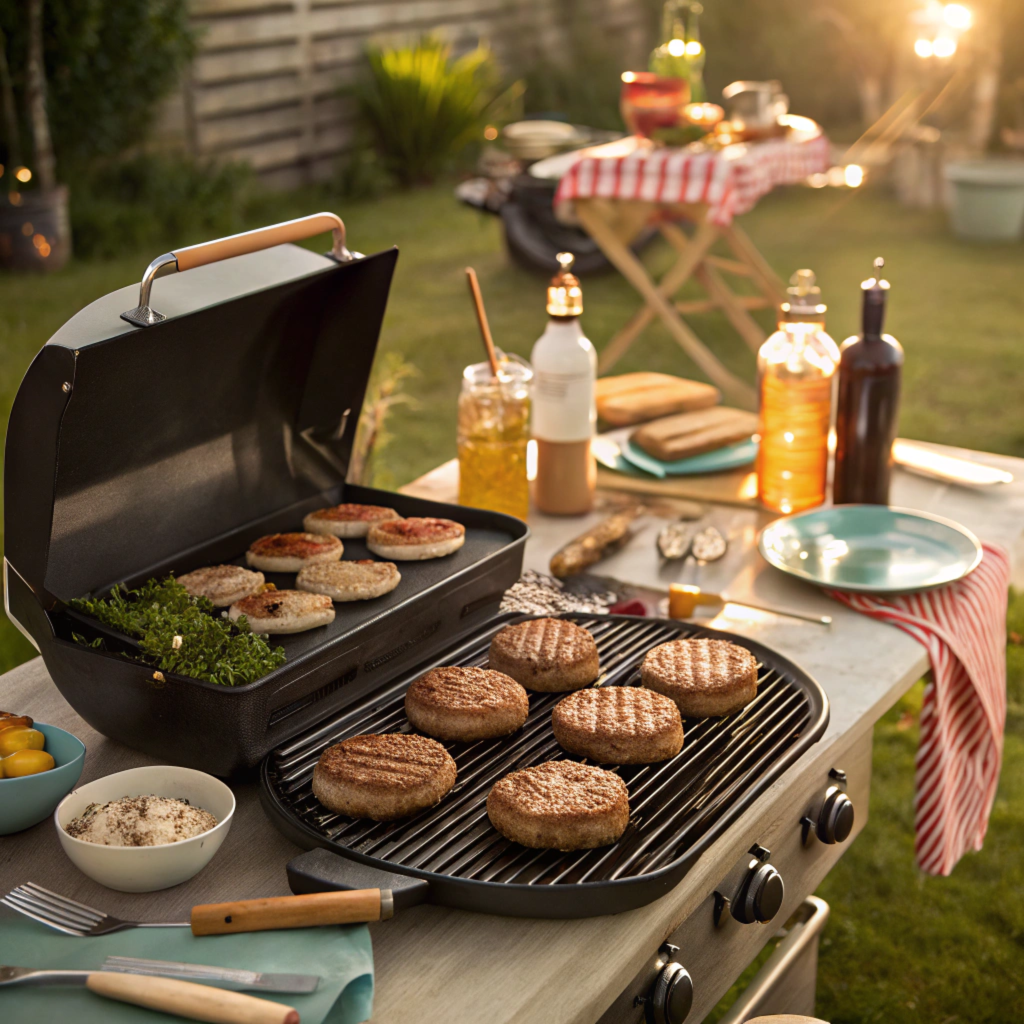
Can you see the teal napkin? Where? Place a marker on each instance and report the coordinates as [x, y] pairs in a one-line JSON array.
[[732, 456], [341, 955]]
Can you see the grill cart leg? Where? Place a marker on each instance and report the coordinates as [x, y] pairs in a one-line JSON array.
[[787, 981]]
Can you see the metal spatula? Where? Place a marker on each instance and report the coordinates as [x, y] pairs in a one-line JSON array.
[[183, 998]]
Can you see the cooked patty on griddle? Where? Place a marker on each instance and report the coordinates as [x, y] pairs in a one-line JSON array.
[[283, 611], [290, 552], [349, 581], [383, 777], [703, 677], [466, 704], [560, 805], [222, 584], [347, 520], [618, 725], [416, 539], [550, 655]]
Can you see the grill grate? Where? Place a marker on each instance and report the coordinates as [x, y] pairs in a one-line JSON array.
[[673, 804]]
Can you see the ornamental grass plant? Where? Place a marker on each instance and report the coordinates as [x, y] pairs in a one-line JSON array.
[[421, 107]]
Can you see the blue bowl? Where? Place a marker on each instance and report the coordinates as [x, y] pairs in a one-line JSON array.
[[26, 801]]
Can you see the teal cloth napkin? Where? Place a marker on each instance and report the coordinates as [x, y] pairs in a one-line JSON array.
[[731, 456], [341, 955]]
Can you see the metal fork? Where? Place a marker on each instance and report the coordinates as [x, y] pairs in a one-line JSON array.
[[70, 916]]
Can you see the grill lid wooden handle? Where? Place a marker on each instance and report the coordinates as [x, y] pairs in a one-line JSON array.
[[263, 238], [356, 906], [200, 255]]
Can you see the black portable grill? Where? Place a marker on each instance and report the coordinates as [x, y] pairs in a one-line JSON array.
[[143, 442], [452, 855]]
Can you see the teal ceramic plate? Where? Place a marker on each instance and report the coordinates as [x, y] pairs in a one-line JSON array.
[[732, 456], [870, 548]]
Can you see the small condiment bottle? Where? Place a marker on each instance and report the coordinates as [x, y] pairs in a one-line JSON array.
[[795, 369], [868, 404], [564, 409]]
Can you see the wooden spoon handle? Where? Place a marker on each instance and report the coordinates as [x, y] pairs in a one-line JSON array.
[[187, 999], [344, 907]]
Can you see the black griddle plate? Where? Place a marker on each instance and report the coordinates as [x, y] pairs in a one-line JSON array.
[[678, 807]]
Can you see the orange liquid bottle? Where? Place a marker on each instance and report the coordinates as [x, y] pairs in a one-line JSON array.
[[796, 370]]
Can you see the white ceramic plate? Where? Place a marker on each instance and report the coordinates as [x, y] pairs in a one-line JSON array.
[[147, 868]]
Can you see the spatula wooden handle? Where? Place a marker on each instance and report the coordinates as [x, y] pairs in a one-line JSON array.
[[187, 999], [345, 907]]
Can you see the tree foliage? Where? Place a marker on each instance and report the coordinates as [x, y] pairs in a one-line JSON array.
[[108, 64]]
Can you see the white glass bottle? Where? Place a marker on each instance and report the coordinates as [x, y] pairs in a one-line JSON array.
[[564, 409]]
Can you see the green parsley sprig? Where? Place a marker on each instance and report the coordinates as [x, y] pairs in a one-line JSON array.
[[182, 634]]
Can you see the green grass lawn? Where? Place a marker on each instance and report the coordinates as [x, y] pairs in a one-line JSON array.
[[899, 947]]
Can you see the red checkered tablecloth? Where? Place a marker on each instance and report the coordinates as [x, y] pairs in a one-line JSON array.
[[730, 180]]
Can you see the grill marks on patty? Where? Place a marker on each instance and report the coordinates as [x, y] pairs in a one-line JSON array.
[[466, 704], [383, 777], [548, 655], [618, 725], [560, 805], [704, 677]]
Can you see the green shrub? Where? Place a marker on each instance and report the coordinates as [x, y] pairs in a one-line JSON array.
[[421, 108], [155, 201]]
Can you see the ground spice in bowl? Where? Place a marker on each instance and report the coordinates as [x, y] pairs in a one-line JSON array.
[[140, 821]]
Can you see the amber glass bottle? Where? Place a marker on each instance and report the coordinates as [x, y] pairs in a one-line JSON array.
[[868, 404], [795, 368]]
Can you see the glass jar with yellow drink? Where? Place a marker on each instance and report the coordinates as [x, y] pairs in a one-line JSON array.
[[494, 429]]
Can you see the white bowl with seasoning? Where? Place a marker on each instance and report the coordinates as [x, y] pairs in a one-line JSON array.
[[147, 868]]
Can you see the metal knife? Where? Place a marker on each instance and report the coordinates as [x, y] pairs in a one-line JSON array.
[[223, 977]]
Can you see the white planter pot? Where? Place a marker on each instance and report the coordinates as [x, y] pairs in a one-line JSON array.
[[987, 199]]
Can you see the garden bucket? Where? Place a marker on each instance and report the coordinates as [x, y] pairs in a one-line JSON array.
[[988, 199]]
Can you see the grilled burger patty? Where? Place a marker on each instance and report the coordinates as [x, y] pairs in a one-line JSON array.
[[703, 677], [222, 584], [290, 552], [550, 655], [383, 777], [618, 725], [466, 704], [416, 539], [283, 611], [347, 520], [560, 805], [349, 581]]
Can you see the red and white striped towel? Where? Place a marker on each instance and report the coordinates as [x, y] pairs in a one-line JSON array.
[[730, 181], [963, 628]]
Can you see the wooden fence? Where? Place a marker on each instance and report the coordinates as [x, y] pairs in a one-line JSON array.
[[265, 85]]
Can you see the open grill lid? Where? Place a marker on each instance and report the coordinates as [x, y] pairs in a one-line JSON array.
[[131, 444]]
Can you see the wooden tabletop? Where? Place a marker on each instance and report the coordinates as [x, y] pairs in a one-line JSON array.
[[436, 964]]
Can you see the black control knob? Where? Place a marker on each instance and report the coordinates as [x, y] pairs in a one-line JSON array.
[[671, 997], [835, 821], [761, 896]]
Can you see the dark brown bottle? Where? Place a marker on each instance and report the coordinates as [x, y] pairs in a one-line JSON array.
[[868, 404]]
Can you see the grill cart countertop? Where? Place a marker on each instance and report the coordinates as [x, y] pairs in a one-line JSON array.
[[434, 963]]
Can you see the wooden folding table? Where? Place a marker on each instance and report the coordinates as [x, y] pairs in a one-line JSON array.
[[614, 192]]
